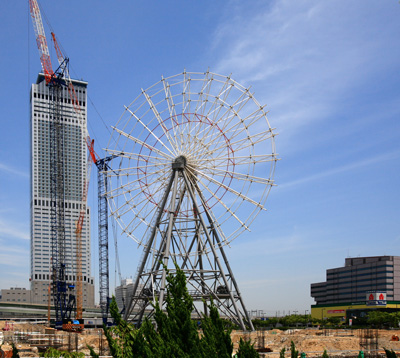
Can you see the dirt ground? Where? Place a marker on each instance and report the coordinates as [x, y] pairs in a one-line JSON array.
[[31, 338], [313, 342]]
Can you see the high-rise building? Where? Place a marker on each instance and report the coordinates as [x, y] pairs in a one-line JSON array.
[[124, 292], [74, 159]]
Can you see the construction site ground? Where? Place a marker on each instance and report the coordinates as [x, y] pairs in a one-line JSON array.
[[30, 339]]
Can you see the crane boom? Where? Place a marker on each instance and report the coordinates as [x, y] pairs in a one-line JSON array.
[[71, 89], [55, 80], [41, 40], [78, 235], [64, 299], [79, 223]]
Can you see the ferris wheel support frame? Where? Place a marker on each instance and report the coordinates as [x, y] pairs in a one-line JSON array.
[[164, 256]]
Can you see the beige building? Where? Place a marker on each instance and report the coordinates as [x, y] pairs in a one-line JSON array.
[[16, 294]]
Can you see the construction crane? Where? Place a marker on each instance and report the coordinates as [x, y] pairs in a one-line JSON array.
[[78, 325], [56, 80], [64, 299], [102, 166], [102, 187]]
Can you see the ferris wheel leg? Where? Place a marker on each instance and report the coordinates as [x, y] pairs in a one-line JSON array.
[[225, 258], [129, 307], [168, 239], [216, 258]]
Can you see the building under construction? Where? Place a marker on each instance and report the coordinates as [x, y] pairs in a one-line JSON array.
[[73, 174]]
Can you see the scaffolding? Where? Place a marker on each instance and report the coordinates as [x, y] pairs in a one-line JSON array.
[[369, 342]]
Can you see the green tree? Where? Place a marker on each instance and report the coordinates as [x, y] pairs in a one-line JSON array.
[[282, 353], [93, 354], [15, 353], [177, 334], [334, 321], [216, 340], [379, 319], [325, 354], [390, 354], [175, 326], [246, 350], [54, 353], [293, 352]]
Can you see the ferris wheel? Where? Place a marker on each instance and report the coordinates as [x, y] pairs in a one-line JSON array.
[[194, 159]]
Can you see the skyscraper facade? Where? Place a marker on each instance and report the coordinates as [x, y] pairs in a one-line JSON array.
[[74, 168]]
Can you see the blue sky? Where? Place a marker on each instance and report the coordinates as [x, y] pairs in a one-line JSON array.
[[329, 73]]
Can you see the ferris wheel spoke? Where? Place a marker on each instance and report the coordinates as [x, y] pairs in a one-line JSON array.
[[161, 123], [171, 109], [131, 204], [211, 154], [231, 112], [247, 121], [241, 176], [127, 203], [143, 176], [222, 203], [208, 141], [169, 98], [147, 128], [129, 171], [213, 219], [186, 93], [197, 144], [202, 135], [140, 219], [219, 98], [142, 143], [126, 207], [127, 187], [247, 142], [236, 160], [204, 92], [130, 155], [226, 187], [221, 130]]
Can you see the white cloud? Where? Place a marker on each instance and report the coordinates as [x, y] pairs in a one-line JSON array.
[[10, 170], [10, 229], [302, 58], [13, 256], [342, 169]]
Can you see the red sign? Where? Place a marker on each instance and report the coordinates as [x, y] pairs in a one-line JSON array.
[[371, 297], [336, 311]]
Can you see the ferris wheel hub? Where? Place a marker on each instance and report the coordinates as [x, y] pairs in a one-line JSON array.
[[179, 162]]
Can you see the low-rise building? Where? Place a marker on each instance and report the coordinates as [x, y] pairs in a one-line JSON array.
[[361, 285], [16, 294]]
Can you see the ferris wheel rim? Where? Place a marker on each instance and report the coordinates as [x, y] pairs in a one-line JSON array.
[[158, 144]]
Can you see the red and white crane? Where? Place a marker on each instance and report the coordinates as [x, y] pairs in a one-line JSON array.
[[57, 79]]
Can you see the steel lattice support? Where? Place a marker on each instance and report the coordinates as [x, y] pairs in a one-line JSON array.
[[63, 302], [102, 184], [195, 160], [208, 277]]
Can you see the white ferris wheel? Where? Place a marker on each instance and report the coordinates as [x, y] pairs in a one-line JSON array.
[[193, 164]]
